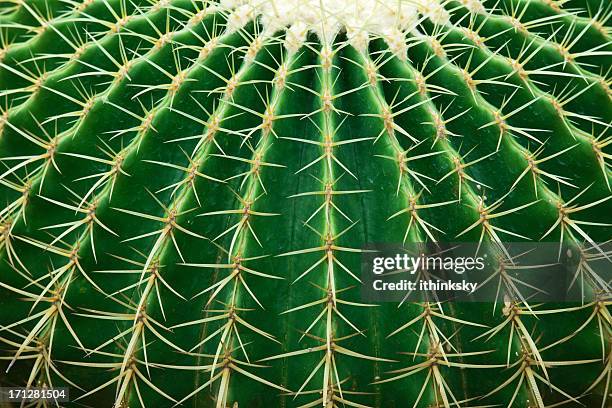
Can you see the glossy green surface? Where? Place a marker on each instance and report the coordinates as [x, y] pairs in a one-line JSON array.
[[184, 207]]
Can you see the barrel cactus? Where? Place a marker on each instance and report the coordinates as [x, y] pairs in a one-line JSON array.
[[188, 187]]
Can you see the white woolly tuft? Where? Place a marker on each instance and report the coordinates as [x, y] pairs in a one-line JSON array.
[[361, 19]]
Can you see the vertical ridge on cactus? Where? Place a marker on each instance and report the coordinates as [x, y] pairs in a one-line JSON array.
[[188, 189]]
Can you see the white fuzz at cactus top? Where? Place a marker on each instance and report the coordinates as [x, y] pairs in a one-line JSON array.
[[361, 19]]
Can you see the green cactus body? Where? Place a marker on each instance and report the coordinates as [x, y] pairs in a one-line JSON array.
[[187, 188]]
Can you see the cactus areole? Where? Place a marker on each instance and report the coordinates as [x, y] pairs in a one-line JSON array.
[[318, 203]]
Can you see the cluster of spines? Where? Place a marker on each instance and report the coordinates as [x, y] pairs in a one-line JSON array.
[[127, 366], [519, 306], [62, 276]]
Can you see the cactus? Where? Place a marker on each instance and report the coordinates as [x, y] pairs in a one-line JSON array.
[[187, 188]]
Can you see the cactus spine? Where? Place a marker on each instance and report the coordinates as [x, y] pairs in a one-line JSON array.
[[187, 188]]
